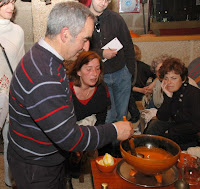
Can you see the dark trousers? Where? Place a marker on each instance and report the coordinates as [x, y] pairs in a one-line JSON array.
[[182, 135], [132, 107], [29, 176]]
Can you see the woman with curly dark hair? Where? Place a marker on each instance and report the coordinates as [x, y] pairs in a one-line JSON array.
[[178, 117]]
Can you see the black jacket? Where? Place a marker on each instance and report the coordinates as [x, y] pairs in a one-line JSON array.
[[183, 108], [112, 25]]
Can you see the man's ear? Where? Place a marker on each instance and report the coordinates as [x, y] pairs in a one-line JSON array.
[[65, 34]]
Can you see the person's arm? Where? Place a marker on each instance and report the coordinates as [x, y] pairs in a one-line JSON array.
[[164, 112], [109, 53], [190, 109], [101, 117], [138, 89], [20, 47], [128, 48], [3, 108], [56, 118], [152, 85], [195, 110], [104, 96], [165, 90]]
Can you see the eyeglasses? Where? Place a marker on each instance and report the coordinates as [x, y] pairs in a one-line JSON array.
[[97, 25]]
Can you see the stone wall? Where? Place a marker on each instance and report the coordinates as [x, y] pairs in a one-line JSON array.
[[35, 26], [186, 50], [134, 21], [24, 19], [40, 12]]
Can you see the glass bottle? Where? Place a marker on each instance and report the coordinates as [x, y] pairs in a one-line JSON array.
[[192, 173], [104, 185]]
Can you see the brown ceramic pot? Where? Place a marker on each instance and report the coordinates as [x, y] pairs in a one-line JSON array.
[[150, 166]]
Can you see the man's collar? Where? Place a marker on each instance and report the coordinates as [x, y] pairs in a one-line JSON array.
[[48, 47]]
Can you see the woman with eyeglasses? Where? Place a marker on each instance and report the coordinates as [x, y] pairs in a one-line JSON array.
[[11, 51]]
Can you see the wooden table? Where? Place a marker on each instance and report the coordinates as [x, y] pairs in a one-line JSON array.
[[116, 182]]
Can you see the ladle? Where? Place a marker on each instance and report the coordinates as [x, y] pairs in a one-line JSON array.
[[132, 145], [132, 148], [181, 183]]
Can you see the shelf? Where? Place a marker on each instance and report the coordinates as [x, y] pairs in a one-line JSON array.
[[167, 38]]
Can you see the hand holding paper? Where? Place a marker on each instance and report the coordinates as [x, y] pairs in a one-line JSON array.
[[109, 53], [113, 44]]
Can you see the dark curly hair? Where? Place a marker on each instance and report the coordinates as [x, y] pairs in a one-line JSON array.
[[82, 59], [173, 64]]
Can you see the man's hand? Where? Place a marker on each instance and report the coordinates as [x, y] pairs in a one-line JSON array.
[[109, 53], [124, 129]]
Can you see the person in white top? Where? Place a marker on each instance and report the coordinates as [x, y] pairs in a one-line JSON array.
[[11, 51]]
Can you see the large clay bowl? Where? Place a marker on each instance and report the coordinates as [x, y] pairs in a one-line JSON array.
[[151, 166]]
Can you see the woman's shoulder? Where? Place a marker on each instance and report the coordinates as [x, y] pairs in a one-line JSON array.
[[102, 86], [102, 89], [192, 82], [192, 91], [17, 29], [191, 87]]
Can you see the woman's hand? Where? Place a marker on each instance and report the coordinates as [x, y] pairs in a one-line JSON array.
[[164, 88], [148, 90], [144, 90]]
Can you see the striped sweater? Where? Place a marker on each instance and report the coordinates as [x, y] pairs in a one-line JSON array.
[[42, 120]]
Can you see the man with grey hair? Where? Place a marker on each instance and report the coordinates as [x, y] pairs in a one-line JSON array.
[[43, 125]]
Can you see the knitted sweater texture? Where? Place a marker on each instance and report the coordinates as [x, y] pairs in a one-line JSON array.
[[42, 119]]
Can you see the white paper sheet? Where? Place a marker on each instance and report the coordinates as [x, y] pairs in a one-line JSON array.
[[113, 44]]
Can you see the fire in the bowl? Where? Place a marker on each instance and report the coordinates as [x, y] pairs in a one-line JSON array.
[[153, 153], [160, 154]]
